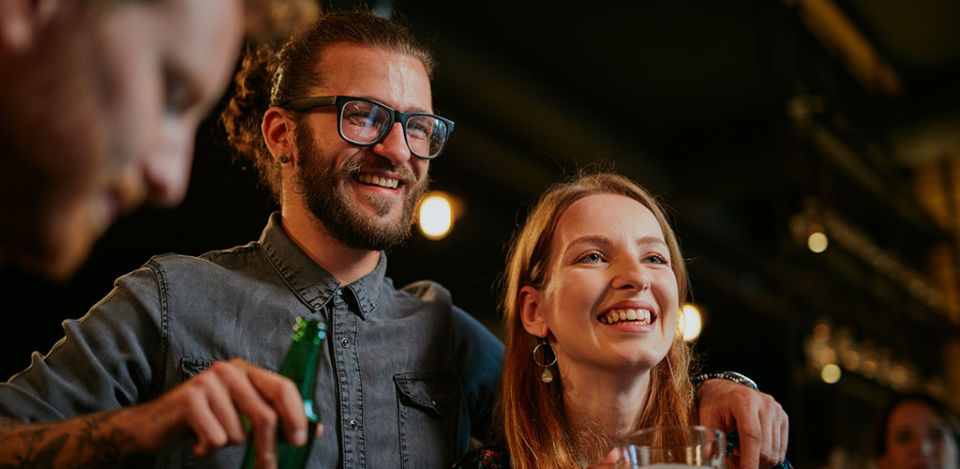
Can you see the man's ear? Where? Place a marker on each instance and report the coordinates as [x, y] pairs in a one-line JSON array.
[[278, 132], [19, 20], [531, 315]]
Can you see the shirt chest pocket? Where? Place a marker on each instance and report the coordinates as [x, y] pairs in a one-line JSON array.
[[429, 410]]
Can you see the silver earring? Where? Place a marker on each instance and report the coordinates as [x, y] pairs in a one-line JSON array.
[[546, 376], [283, 159]]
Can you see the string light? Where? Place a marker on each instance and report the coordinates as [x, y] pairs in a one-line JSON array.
[[830, 373], [817, 242], [692, 322], [436, 216]]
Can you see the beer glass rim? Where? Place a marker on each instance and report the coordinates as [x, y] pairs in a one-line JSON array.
[[649, 430]]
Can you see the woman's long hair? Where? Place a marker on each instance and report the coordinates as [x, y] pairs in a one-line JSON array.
[[531, 411]]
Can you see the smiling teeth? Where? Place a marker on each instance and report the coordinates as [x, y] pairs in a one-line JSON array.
[[641, 316], [389, 183]]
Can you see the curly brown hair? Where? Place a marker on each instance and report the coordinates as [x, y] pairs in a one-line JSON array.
[[270, 75]]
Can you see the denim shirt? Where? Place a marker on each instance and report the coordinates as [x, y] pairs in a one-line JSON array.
[[406, 379]]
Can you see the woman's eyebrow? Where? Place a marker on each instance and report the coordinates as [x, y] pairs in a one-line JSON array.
[[589, 239], [651, 240]]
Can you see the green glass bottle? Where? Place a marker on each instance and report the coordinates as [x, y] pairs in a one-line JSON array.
[[300, 365]]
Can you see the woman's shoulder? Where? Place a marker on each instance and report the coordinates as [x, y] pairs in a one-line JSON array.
[[488, 457]]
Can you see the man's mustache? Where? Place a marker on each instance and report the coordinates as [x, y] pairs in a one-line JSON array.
[[361, 163]]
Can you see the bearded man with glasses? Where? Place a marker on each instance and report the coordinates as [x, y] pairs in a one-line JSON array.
[[344, 140]]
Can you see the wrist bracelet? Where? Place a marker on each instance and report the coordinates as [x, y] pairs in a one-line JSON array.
[[727, 375]]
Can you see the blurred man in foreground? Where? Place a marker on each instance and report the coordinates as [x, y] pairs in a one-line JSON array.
[[101, 104]]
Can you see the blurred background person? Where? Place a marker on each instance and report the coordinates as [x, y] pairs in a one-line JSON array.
[[101, 104], [915, 431]]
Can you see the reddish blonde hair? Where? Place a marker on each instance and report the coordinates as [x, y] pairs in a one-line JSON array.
[[532, 412]]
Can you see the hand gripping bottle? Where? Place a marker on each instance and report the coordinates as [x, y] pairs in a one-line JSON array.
[[300, 365]]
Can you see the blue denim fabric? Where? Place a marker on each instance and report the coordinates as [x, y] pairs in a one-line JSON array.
[[407, 377]]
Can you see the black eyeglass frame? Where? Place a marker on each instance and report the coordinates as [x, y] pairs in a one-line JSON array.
[[305, 104]]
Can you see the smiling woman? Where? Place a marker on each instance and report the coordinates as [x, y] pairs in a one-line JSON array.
[[595, 276]]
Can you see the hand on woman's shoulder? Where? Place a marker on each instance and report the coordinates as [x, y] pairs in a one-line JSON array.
[[488, 457]]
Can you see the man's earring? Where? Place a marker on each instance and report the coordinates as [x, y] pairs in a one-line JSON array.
[[283, 159]]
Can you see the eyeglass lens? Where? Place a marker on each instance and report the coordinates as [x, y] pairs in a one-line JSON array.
[[365, 123]]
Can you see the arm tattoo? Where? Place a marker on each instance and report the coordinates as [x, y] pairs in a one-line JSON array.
[[88, 440], [6, 424]]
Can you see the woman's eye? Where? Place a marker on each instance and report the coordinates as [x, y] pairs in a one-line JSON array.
[[657, 259], [590, 258], [903, 436]]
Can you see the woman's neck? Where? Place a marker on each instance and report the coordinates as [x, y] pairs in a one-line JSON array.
[[604, 404]]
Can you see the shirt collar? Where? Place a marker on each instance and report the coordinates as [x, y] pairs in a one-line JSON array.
[[311, 282]]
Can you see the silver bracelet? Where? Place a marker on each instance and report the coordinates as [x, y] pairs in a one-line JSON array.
[[727, 375]]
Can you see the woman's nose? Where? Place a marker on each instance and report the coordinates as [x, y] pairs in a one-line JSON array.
[[632, 274]]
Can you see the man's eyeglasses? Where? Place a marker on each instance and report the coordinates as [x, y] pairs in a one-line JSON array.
[[366, 122]]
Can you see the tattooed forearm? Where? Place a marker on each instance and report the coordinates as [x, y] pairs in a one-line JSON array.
[[28, 446], [89, 441], [6, 424], [107, 446]]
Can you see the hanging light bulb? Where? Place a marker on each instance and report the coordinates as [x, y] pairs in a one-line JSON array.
[[691, 321], [830, 373], [817, 242], [436, 215]]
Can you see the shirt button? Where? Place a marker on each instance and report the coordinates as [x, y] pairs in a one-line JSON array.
[[353, 424], [345, 342], [340, 292]]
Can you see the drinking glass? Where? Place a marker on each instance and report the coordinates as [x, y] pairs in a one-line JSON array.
[[672, 447]]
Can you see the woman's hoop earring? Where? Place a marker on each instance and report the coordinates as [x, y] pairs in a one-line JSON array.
[[546, 376], [283, 159]]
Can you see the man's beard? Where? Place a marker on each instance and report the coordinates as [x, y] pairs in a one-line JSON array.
[[324, 189]]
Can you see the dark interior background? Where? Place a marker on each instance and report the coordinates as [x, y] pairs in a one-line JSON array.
[[755, 121]]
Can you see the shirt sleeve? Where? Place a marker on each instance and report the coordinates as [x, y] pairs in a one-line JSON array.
[[479, 356], [107, 359]]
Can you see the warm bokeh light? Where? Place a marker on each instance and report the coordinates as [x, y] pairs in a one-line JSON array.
[[899, 375], [436, 216], [850, 359], [821, 331], [830, 373], [817, 242], [692, 322]]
